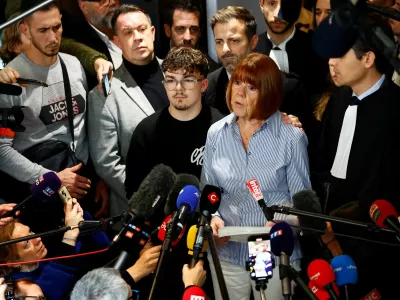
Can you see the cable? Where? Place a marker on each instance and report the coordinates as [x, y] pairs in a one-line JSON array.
[[346, 235], [54, 258]]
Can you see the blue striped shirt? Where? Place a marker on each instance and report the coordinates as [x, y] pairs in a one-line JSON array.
[[276, 157]]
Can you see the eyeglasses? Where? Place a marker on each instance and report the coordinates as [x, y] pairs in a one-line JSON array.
[[102, 3], [186, 83]]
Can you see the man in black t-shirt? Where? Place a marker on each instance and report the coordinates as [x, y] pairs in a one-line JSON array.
[[176, 135]]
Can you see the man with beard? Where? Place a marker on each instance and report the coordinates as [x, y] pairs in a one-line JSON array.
[[291, 49], [183, 26], [93, 28], [45, 112], [136, 92], [235, 37]]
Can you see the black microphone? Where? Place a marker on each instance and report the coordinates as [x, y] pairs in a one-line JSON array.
[[10, 89], [255, 190], [146, 204], [307, 200], [210, 200]]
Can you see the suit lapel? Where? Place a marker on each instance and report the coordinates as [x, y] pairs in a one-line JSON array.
[[133, 91]]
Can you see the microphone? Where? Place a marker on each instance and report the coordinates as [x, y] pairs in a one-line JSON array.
[[322, 294], [209, 203], [187, 202], [194, 293], [181, 181], [255, 190], [282, 245], [146, 204], [191, 244], [321, 274], [307, 200], [384, 215], [163, 230], [45, 187], [345, 272], [10, 89]]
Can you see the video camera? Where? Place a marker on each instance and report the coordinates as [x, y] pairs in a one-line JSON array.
[[12, 118]]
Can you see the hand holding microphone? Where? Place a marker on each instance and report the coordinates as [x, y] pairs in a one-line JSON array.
[[194, 276], [4, 208], [146, 263], [73, 215]]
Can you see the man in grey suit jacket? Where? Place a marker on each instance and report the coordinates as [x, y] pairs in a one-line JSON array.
[[112, 119]]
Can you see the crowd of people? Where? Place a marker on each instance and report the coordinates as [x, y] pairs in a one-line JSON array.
[[269, 108]]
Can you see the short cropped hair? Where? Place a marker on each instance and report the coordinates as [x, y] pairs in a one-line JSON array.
[[260, 71], [186, 58], [101, 284], [366, 42], [191, 6], [226, 14], [17, 288], [124, 9]]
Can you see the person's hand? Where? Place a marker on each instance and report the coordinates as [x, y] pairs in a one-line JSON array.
[[102, 68], [76, 184], [5, 208], [216, 224], [195, 276], [3, 288], [73, 215], [293, 120], [146, 263], [102, 196], [8, 75], [271, 223]]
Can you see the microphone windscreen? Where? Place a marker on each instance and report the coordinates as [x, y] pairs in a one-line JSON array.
[[320, 273], [380, 210], [330, 40], [163, 230], [307, 200], [282, 239], [189, 196], [191, 240], [345, 270], [46, 186], [10, 89], [194, 292], [181, 181], [150, 198], [210, 198]]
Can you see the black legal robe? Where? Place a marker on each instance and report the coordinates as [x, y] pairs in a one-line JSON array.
[[372, 173]]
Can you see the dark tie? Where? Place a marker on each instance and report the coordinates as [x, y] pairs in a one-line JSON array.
[[276, 48], [355, 101]]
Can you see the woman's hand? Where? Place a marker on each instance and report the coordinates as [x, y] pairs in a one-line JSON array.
[[73, 215], [146, 263], [216, 224]]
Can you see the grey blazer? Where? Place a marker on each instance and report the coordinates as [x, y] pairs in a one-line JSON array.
[[111, 122]]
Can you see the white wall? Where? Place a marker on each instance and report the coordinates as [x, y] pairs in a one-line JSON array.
[[213, 5]]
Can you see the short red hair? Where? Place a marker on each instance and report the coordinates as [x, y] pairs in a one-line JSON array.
[[260, 71]]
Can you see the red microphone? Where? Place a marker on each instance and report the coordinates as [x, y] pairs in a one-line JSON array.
[[322, 275], [384, 214], [163, 229], [194, 293], [322, 294], [255, 191]]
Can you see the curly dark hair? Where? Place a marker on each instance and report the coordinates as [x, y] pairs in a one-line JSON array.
[[186, 58]]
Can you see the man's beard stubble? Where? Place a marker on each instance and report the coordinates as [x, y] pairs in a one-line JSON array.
[[43, 50]]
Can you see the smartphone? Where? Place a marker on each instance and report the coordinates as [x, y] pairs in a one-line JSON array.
[[106, 86], [261, 261], [31, 81]]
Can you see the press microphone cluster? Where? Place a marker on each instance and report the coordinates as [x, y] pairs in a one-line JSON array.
[[322, 276]]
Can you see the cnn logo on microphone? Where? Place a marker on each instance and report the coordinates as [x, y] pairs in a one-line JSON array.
[[194, 297]]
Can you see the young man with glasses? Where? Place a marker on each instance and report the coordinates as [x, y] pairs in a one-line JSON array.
[[175, 135]]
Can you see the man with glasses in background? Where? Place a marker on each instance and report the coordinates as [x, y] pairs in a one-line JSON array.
[[174, 136]]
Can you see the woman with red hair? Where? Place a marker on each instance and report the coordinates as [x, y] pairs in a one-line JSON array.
[[253, 142]]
